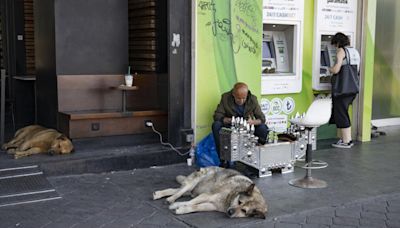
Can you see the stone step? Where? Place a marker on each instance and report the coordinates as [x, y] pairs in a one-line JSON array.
[[102, 154]]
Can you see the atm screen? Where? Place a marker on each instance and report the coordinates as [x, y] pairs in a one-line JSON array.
[[325, 59], [268, 51]]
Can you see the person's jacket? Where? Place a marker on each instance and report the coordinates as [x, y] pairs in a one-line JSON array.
[[226, 108]]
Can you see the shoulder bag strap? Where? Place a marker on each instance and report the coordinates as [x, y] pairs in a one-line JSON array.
[[347, 56]]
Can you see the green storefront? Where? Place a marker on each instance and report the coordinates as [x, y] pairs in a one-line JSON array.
[[231, 38]]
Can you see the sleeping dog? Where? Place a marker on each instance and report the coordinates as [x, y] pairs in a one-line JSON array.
[[216, 189], [35, 139]]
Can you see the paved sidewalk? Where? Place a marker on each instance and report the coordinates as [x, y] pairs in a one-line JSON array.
[[381, 211], [363, 191]]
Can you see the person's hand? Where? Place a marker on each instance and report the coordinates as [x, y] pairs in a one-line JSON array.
[[254, 121], [227, 120], [327, 70], [330, 70]]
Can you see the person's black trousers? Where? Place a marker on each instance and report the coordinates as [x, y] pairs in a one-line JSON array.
[[340, 111]]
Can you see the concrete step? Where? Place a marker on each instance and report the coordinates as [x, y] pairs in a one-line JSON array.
[[102, 154], [125, 158]]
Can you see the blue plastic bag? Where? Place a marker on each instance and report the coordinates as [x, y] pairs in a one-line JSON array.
[[206, 153]]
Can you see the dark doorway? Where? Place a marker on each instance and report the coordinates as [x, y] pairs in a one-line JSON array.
[[153, 26]]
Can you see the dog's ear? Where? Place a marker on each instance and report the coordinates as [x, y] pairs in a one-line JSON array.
[[250, 189]]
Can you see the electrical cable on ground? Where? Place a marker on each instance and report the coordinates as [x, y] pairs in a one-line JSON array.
[[149, 124]]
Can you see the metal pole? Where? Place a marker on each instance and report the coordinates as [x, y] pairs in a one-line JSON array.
[[3, 105], [309, 152]]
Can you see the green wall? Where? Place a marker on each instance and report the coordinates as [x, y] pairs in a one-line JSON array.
[[228, 40], [227, 32]]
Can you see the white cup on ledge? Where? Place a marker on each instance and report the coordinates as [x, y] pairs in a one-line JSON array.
[[128, 79]]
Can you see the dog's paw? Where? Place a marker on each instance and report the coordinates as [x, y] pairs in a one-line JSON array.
[[181, 210], [180, 179], [156, 195], [175, 205], [18, 154], [170, 200]]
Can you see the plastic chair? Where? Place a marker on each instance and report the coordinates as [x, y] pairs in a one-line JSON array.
[[317, 114]]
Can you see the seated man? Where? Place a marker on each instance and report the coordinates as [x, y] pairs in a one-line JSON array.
[[239, 102]]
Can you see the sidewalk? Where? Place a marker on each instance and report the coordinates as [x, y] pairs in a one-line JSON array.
[[363, 191]]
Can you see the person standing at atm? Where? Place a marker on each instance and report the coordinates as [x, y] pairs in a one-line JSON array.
[[340, 104]]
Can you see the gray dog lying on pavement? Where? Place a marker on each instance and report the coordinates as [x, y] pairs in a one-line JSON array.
[[216, 189]]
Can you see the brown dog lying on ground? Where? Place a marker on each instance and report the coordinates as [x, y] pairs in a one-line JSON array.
[[35, 139], [216, 189]]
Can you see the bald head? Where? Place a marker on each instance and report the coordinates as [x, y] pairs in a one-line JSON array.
[[240, 91], [240, 86]]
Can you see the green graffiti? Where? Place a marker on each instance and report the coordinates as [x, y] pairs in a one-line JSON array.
[[223, 38]]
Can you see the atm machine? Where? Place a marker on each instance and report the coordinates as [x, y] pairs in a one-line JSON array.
[[268, 54], [282, 47], [276, 45], [276, 52], [281, 62], [330, 17], [327, 59]]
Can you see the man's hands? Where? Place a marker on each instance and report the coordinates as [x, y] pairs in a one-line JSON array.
[[254, 122], [227, 120]]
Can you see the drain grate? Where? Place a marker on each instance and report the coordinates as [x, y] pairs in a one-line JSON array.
[[26, 184], [8, 172]]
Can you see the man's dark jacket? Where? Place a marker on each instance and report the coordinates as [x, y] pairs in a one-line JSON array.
[[226, 108]]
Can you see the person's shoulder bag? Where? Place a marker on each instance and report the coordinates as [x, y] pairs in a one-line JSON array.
[[346, 82]]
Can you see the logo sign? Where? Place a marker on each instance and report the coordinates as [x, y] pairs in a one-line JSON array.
[[288, 105], [265, 106], [276, 106], [283, 10], [337, 15], [277, 123]]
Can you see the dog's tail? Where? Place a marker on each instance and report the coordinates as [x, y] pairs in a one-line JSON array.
[[180, 179]]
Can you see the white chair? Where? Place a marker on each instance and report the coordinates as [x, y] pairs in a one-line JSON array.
[[317, 114]]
